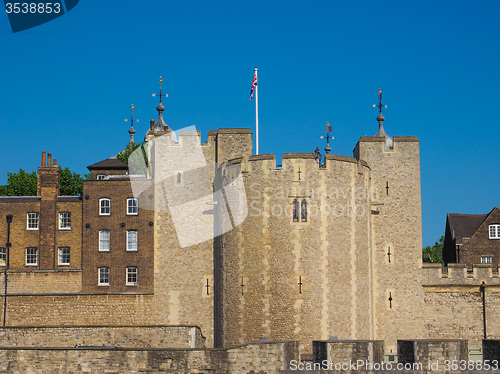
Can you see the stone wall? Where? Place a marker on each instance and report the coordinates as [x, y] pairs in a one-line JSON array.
[[262, 358], [453, 302], [299, 280], [109, 336]]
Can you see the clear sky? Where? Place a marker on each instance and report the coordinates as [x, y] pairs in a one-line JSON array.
[[67, 86]]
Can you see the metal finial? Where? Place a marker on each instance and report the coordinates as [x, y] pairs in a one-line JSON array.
[[131, 120], [328, 130], [160, 94], [381, 132], [380, 103]]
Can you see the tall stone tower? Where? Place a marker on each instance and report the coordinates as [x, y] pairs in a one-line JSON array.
[[327, 249], [396, 233]]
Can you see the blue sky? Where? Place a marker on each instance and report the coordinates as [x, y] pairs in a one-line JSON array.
[[67, 85]]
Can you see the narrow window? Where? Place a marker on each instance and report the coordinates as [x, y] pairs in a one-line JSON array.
[[32, 221], [3, 256], [303, 211], [131, 276], [65, 221], [132, 206], [104, 207], [179, 178], [101, 177], [104, 240], [132, 240], [295, 210], [64, 255], [31, 256], [103, 277], [494, 231], [486, 259]]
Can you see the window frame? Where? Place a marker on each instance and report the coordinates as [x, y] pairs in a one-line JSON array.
[[101, 206], [488, 259], [131, 242], [300, 209], [495, 231], [28, 255], [129, 200], [100, 177], [61, 218], [28, 221], [3, 256], [103, 240], [62, 255], [131, 271], [103, 273]]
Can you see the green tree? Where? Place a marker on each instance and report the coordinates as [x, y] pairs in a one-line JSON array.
[[435, 253], [20, 184], [24, 184], [71, 183], [136, 161]]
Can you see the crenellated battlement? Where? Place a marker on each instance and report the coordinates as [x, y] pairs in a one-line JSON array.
[[267, 162], [460, 275]]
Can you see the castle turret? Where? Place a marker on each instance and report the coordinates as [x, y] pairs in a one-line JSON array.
[[396, 231]]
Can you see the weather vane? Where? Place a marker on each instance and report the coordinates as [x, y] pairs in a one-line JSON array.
[[132, 120], [380, 103], [160, 94], [328, 137]]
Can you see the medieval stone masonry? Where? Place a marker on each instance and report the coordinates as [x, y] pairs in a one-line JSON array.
[[206, 258]]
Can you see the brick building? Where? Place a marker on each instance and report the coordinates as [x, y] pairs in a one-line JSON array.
[[472, 238]]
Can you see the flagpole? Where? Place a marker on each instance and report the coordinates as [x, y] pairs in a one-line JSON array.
[[256, 116]]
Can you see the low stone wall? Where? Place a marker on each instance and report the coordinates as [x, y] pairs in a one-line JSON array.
[[344, 351], [262, 358], [123, 337]]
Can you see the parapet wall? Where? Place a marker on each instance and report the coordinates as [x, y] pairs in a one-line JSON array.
[[263, 358], [459, 274], [103, 336]]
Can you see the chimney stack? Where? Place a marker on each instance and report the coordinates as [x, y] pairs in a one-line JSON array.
[[44, 158], [49, 159]]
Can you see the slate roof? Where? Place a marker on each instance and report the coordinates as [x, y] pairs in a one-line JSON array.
[[465, 225], [111, 163]]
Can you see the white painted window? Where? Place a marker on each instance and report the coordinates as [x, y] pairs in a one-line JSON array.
[[104, 207], [103, 277], [31, 256], [486, 259], [494, 231], [101, 177], [132, 239], [104, 240], [65, 221], [132, 206], [64, 255], [131, 276], [33, 220]]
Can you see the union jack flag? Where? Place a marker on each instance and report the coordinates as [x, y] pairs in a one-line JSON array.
[[254, 84]]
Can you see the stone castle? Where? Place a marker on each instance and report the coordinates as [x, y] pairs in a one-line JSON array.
[[208, 246]]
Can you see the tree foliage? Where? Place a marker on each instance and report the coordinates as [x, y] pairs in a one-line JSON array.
[[135, 158], [71, 183], [434, 254], [20, 184], [25, 184]]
